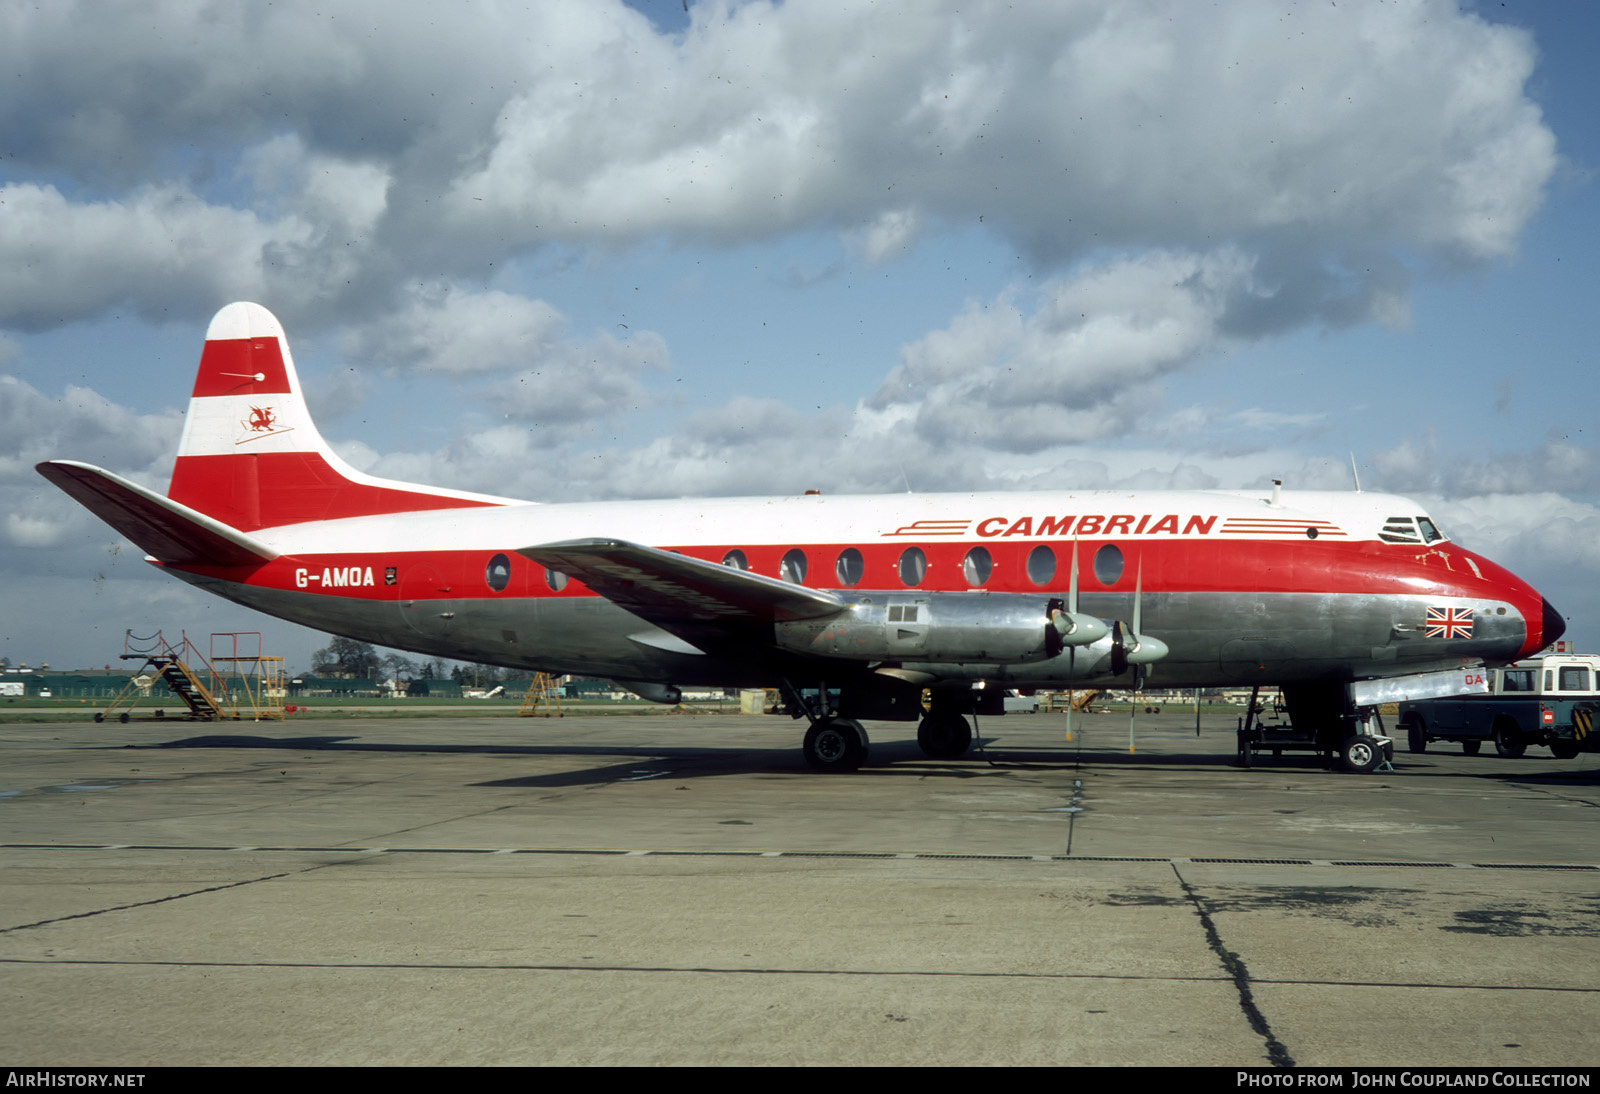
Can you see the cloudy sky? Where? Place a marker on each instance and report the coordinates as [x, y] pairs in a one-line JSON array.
[[593, 249]]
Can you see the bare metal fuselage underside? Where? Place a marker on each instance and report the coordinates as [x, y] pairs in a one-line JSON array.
[[1215, 639]]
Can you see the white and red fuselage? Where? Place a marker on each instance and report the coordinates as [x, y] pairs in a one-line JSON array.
[[935, 589]]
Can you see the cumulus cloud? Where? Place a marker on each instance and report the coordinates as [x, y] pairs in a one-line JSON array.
[[1079, 366], [1417, 464], [1335, 144], [1066, 126], [549, 377], [158, 248], [84, 425], [459, 332], [43, 529]]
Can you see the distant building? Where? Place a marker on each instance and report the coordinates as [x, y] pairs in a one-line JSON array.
[[433, 687], [344, 687]]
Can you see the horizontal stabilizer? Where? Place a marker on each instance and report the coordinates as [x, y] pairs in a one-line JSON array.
[[170, 532], [663, 585]]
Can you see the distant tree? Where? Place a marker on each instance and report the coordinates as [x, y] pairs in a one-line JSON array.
[[396, 665], [347, 657]]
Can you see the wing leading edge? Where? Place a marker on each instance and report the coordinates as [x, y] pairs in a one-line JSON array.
[[673, 590]]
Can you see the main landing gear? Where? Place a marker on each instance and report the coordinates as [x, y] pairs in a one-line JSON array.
[[944, 734], [835, 744], [832, 743]]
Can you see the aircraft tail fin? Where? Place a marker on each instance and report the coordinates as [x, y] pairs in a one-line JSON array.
[[251, 457], [168, 531]]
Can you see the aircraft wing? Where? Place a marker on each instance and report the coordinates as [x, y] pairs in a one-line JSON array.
[[169, 532], [668, 588]]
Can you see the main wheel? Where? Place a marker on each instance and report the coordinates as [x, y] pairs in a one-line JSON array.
[[1563, 749], [1508, 739], [1360, 755], [836, 744], [1470, 748], [1416, 734], [944, 736]]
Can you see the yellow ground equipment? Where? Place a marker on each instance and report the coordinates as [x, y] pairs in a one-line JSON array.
[[247, 685], [543, 699]]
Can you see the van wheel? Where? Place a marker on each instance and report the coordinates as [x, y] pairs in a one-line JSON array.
[[1508, 739], [1416, 734], [1564, 750]]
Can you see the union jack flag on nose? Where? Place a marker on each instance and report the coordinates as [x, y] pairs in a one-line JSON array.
[[1449, 623]]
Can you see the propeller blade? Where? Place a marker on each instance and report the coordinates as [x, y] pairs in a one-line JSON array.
[[1072, 582], [1142, 649], [1138, 596]]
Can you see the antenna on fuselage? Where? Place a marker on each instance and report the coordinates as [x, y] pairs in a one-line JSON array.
[[1354, 473]]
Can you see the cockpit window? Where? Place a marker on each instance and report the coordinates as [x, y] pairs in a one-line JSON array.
[[1417, 530], [1400, 530]]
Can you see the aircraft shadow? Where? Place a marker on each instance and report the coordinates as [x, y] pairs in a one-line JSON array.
[[888, 759]]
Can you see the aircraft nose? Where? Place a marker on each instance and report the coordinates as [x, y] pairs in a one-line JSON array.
[[1552, 626]]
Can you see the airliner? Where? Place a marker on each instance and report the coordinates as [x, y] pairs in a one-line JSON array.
[[925, 607]]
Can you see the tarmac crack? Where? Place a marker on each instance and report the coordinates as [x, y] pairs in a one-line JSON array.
[[160, 900], [1235, 967], [730, 970]]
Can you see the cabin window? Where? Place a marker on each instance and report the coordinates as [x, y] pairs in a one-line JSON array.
[[1041, 565], [850, 568], [555, 579], [498, 573], [1518, 680], [1108, 564], [793, 567], [1574, 678], [977, 566], [736, 560], [913, 566]]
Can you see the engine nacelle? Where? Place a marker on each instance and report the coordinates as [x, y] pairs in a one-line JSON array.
[[1000, 628], [653, 693]]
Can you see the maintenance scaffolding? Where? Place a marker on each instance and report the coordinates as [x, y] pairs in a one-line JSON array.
[[230, 681]]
